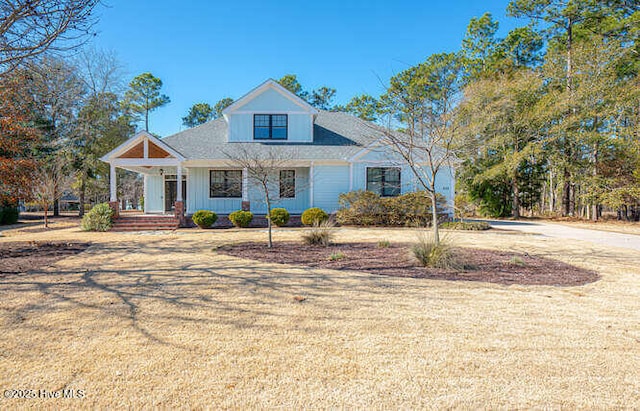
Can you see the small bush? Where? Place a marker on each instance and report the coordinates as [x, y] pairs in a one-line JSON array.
[[466, 225], [384, 244], [314, 216], [319, 234], [279, 216], [9, 214], [100, 218], [428, 254], [204, 218], [337, 256], [517, 261], [241, 218], [365, 208]]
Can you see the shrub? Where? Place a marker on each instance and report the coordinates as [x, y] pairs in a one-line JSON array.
[[241, 218], [100, 218], [314, 216], [366, 208], [428, 254], [337, 256], [384, 244], [319, 234], [279, 216], [466, 225], [204, 218], [9, 214]]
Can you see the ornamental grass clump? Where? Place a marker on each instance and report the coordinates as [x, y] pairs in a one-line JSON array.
[[100, 218], [204, 218], [319, 234], [428, 253]]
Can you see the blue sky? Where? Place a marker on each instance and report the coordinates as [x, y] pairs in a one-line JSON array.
[[206, 50]]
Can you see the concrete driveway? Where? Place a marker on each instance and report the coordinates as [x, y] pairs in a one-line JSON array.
[[630, 241]]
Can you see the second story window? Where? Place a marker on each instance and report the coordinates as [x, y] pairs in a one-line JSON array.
[[270, 126]]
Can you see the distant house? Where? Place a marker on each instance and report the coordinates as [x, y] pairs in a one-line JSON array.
[[327, 153]]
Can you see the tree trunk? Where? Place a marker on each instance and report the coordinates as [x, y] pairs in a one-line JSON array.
[[46, 216], [515, 211], [56, 206], [83, 189], [434, 212], [566, 193]]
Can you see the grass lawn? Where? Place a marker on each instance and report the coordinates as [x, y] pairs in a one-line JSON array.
[[162, 320]]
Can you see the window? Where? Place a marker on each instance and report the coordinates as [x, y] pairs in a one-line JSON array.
[[287, 183], [384, 181], [270, 126], [225, 183]]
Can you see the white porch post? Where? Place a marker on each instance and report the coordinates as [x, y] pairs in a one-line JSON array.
[[145, 191], [245, 184], [179, 184], [311, 176], [112, 184]]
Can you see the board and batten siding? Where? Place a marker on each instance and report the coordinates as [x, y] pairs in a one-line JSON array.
[[295, 205], [329, 181], [154, 200], [299, 123], [198, 195]]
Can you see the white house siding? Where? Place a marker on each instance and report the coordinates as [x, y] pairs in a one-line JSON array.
[[300, 127], [294, 205], [329, 181], [198, 195], [154, 201]]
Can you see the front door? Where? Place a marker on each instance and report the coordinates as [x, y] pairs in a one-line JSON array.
[[170, 194]]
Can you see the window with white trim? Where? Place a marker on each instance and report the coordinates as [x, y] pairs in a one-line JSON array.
[[385, 181], [225, 183]]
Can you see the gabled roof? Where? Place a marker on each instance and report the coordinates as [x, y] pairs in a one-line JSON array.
[[269, 84], [337, 136], [137, 139]]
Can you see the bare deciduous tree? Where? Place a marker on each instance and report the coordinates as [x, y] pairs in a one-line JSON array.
[[48, 186], [29, 28], [262, 164]]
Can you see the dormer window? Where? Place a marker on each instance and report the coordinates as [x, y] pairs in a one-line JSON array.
[[270, 126]]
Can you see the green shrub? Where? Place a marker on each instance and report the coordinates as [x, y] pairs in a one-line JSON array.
[[314, 216], [337, 256], [384, 244], [319, 234], [100, 218], [241, 218], [365, 208], [279, 216], [204, 218], [430, 254], [9, 214], [466, 225]]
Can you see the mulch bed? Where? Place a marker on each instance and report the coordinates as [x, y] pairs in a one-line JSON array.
[[24, 256], [482, 265]]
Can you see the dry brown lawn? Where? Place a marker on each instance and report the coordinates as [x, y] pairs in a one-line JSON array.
[[161, 320]]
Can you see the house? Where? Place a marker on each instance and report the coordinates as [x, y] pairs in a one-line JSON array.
[[326, 153]]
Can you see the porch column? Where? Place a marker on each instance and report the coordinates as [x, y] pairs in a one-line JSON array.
[[311, 185], [113, 188], [179, 184], [246, 204]]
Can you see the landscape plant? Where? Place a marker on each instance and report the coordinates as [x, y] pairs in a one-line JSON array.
[[241, 218], [314, 216], [279, 216], [100, 218], [204, 218]]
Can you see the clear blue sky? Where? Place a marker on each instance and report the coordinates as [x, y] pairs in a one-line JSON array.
[[206, 50]]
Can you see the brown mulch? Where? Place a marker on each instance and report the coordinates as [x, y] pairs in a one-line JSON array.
[[24, 256], [491, 266]]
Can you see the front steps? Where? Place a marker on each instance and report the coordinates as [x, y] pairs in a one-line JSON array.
[[145, 223]]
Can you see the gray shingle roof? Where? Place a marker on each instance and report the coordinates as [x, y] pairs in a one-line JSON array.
[[337, 136]]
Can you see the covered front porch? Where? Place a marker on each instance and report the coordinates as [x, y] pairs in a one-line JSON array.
[[149, 156]]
